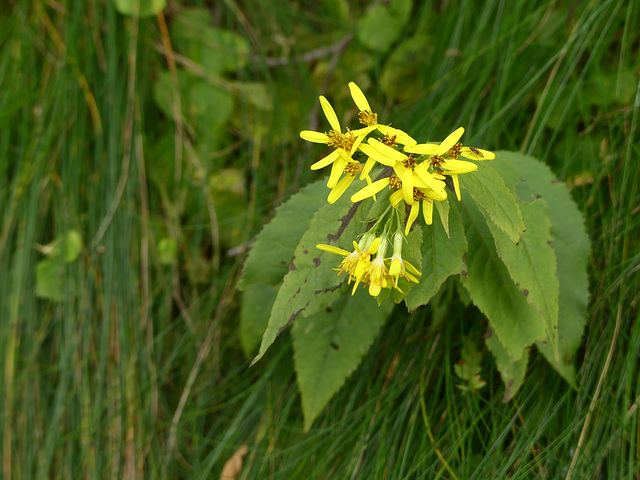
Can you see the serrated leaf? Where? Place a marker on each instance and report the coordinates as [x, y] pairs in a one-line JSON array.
[[272, 251], [490, 192], [469, 366], [511, 372], [312, 273], [144, 8], [516, 323], [442, 257], [257, 300], [571, 245], [443, 213], [329, 346], [532, 265]]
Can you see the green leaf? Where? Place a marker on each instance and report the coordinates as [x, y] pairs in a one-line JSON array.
[[401, 78], [516, 323], [329, 346], [167, 249], [145, 8], [51, 282], [511, 372], [497, 201], [272, 252], [379, 28], [68, 244], [312, 271], [469, 367], [217, 50], [442, 257], [443, 213], [255, 308], [571, 245], [532, 265]]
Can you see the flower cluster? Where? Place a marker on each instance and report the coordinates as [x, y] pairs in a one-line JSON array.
[[415, 175]]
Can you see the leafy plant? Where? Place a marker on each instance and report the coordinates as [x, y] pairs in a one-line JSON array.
[[516, 241]]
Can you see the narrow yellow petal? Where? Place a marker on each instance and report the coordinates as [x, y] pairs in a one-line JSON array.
[[359, 98], [330, 113], [376, 155], [458, 167], [477, 153], [422, 149], [401, 137], [370, 190], [336, 171], [373, 248], [436, 185], [407, 186], [415, 210], [332, 249], [315, 137], [427, 211], [395, 198], [386, 150], [450, 141], [328, 160], [367, 168], [456, 185], [340, 188], [363, 132]]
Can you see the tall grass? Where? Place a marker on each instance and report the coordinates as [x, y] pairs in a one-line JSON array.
[[139, 372]]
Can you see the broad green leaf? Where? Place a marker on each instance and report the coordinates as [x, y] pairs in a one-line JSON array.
[[272, 251], [257, 300], [379, 28], [516, 323], [144, 8], [532, 265], [329, 346], [443, 213], [490, 192], [442, 257], [571, 245], [312, 272], [51, 282], [167, 250], [511, 372]]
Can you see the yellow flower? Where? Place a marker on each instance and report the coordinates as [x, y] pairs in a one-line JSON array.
[[399, 267], [370, 119], [444, 157], [377, 276], [345, 144], [356, 263], [408, 174]]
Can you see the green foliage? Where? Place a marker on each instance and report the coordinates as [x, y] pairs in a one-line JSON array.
[[167, 250], [469, 366], [142, 8], [511, 372], [382, 25], [52, 283], [329, 345]]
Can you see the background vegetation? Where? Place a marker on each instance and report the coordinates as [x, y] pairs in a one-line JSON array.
[[152, 150]]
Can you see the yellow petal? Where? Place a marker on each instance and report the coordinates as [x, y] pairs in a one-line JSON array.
[[387, 151], [436, 185], [477, 153], [458, 167], [456, 185], [359, 98], [332, 249], [450, 141], [373, 248], [363, 132], [422, 149], [315, 137], [401, 137], [370, 190], [376, 155], [367, 168], [407, 186], [328, 160], [415, 210], [427, 211], [340, 188], [395, 198], [330, 113], [336, 171]]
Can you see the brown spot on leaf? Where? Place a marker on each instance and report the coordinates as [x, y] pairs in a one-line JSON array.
[[525, 292], [317, 262]]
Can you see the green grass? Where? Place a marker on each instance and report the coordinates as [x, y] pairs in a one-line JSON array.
[[139, 373]]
